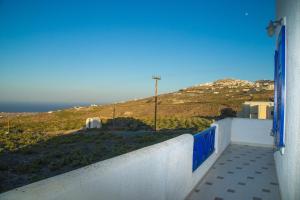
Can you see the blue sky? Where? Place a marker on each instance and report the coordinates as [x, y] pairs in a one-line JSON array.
[[105, 51]]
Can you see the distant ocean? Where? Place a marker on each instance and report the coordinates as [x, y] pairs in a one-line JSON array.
[[36, 107]]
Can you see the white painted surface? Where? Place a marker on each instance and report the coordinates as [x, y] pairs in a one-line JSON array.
[[93, 122], [251, 131], [159, 172], [288, 165], [223, 134]]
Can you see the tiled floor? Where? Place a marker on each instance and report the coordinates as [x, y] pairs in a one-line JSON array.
[[242, 172]]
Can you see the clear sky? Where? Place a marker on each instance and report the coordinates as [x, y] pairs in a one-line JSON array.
[[104, 51]]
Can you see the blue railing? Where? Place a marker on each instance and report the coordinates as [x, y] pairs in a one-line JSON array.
[[204, 146]]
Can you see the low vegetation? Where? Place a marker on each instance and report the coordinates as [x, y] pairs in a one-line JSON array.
[[28, 155]]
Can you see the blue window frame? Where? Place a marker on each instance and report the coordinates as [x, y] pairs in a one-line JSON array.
[[204, 146], [279, 90]]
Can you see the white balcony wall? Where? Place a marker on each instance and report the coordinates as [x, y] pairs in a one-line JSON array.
[[162, 171], [288, 164], [223, 134], [251, 131]]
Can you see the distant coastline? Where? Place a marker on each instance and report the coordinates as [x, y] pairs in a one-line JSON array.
[[15, 107]]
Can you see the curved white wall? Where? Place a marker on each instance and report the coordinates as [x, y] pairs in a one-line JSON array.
[[223, 134], [288, 165]]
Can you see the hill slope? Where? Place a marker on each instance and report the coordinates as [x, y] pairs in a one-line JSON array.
[[205, 100]]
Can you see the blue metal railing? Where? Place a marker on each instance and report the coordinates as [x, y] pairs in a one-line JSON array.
[[204, 146]]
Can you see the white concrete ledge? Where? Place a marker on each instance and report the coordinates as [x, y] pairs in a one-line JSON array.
[[159, 172], [252, 132]]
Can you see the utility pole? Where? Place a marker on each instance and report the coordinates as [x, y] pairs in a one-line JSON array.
[[8, 125], [114, 114], [156, 78]]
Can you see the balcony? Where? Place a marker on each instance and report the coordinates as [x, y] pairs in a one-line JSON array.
[[241, 172], [234, 160]]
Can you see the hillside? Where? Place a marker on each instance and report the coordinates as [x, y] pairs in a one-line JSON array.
[[204, 100]]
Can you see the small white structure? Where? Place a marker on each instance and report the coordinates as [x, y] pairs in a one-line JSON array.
[[93, 122]]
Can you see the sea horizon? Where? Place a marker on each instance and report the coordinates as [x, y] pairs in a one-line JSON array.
[[19, 107]]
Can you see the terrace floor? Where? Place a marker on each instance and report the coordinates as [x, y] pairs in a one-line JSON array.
[[242, 172]]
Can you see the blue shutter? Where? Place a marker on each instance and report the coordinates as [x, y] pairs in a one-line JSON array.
[[275, 94], [279, 94]]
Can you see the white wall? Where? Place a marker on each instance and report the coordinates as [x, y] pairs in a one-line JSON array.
[[161, 171], [251, 131], [288, 165], [223, 134]]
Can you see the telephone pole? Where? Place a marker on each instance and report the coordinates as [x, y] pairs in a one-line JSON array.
[[8, 125], [114, 115], [156, 78]]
